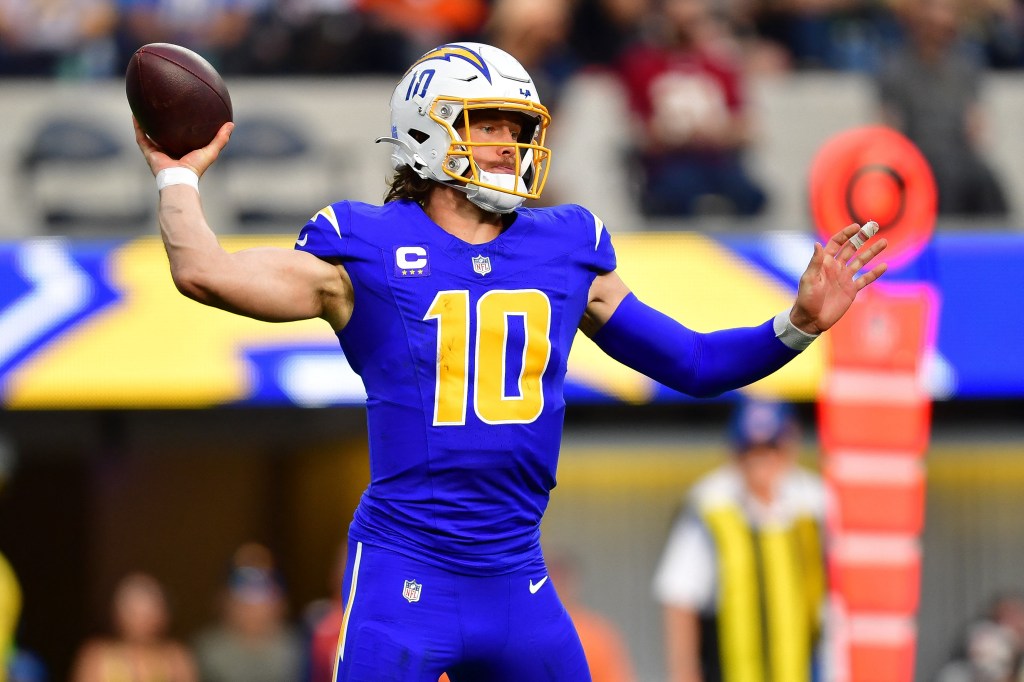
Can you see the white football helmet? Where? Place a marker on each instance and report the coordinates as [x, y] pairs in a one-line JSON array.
[[432, 102]]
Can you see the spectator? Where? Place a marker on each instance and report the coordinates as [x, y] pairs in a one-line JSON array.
[[535, 32], [214, 28], [321, 37], [603, 29], [25, 666], [425, 24], [1001, 26], [804, 32], [688, 95], [325, 618], [751, 524], [930, 90], [140, 649], [989, 656], [799, 28], [822, 34], [68, 38], [603, 643], [1007, 610], [252, 642]]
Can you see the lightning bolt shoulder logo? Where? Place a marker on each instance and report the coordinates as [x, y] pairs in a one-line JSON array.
[[328, 214]]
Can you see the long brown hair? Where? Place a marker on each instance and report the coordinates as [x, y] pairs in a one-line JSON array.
[[406, 184]]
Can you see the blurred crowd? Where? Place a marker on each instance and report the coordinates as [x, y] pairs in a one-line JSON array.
[[991, 648], [252, 637], [94, 38], [682, 64]]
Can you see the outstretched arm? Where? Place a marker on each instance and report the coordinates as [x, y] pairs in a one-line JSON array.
[[272, 284], [706, 364]]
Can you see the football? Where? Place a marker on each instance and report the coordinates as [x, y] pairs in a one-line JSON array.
[[178, 98]]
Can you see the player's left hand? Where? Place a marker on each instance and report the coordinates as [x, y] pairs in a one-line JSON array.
[[830, 283]]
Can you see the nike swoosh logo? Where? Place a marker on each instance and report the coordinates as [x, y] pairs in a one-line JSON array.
[[535, 587], [302, 241]]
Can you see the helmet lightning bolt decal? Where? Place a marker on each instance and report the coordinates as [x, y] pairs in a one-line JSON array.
[[446, 52]]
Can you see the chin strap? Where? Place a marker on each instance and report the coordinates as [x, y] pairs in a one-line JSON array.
[[496, 201]]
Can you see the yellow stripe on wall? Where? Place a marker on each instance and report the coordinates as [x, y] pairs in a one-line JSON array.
[[154, 348], [704, 285]]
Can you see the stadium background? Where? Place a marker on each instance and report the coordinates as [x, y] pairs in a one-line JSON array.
[[142, 431]]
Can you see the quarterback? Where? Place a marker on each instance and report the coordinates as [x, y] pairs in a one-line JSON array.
[[458, 306]]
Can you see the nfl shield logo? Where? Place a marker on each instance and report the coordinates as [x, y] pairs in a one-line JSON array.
[[481, 265], [411, 591]]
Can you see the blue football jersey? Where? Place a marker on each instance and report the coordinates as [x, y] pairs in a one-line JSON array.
[[462, 349]]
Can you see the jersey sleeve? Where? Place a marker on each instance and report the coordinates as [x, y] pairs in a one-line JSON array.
[[326, 234], [596, 250]]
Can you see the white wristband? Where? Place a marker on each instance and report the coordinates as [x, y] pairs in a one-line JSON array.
[[177, 175], [790, 334]]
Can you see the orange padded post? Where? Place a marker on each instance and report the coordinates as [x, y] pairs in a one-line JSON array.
[[874, 419]]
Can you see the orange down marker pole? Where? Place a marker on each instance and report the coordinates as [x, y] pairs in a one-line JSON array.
[[874, 412]]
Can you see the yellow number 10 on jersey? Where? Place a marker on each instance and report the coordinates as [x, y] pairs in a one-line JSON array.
[[490, 349]]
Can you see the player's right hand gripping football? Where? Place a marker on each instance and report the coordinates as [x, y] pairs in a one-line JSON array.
[[197, 160]]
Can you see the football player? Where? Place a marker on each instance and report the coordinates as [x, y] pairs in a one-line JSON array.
[[458, 307]]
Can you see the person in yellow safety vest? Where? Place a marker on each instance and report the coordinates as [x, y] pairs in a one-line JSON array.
[[10, 610], [742, 576]]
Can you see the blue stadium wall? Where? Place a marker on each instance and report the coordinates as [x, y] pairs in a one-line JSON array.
[[99, 324]]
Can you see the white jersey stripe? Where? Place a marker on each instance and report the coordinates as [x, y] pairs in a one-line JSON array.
[[349, 605], [598, 229]]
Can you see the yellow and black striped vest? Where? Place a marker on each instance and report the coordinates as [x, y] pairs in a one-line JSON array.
[[771, 588]]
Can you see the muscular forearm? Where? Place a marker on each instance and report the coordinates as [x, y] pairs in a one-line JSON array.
[[192, 247], [265, 283]]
